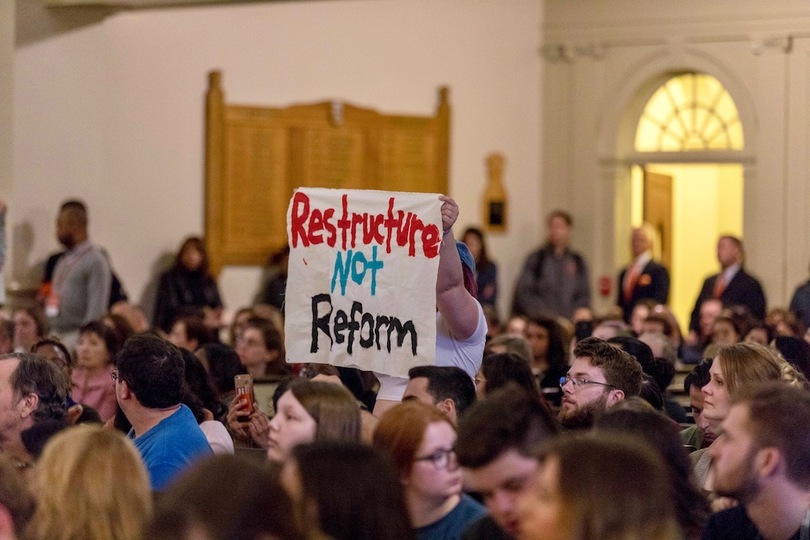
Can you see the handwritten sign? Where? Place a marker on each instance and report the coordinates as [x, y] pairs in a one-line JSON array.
[[361, 286]]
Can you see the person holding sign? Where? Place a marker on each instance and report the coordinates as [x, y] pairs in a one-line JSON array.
[[460, 324]]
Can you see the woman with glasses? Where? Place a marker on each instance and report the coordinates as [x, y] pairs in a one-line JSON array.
[[91, 379], [421, 441]]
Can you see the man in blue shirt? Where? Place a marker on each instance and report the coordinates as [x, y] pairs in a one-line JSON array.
[[149, 388]]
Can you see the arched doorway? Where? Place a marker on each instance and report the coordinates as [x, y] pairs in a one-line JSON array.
[[686, 178]]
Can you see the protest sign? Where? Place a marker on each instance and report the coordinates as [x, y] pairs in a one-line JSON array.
[[361, 286]]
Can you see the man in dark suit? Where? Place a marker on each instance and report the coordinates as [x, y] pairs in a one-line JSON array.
[[733, 285], [643, 278]]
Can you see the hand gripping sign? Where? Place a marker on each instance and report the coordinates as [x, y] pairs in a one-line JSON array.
[[361, 286]]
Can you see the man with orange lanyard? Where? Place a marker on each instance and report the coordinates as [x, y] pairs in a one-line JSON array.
[[79, 292]]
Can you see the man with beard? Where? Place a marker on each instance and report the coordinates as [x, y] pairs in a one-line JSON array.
[[600, 376], [80, 289], [761, 458]]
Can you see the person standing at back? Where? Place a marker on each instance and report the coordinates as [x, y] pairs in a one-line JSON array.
[[80, 288], [732, 286], [555, 279], [643, 278]]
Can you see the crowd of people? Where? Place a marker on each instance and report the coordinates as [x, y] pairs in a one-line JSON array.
[[553, 424]]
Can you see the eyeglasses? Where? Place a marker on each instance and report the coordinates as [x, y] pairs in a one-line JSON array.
[[579, 382], [439, 458]]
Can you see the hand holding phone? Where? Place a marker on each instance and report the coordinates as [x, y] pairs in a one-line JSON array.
[[244, 394]]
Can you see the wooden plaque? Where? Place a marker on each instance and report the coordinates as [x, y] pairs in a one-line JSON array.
[[256, 156]]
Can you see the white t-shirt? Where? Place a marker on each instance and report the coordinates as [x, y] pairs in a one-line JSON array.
[[466, 354]]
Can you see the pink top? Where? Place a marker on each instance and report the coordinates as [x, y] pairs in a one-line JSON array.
[[98, 391]]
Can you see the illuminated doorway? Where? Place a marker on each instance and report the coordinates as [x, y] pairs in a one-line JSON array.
[[691, 113]]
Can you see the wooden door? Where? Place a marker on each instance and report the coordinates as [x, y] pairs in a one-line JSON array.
[[658, 213]]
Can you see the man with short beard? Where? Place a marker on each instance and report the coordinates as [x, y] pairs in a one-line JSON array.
[[600, 376], [761, 458]]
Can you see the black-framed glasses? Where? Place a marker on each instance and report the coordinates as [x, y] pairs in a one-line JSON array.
[[439, 458], [579, 382]]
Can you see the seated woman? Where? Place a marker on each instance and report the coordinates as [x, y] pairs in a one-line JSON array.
[[90, 483], [421, 440], [349, 489], [312, 411], [598, 488], [499, 369], [734, 367], [226, 497], [661, 433], [188, 288], [549, 359], [92, 382], [261, 349], [30, 325]]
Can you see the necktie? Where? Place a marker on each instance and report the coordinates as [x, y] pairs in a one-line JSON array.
[[719, 286], [630, 282]]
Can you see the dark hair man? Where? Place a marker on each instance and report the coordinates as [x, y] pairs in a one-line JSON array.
[[79, 291], [762, 458], [448, 388], [732, 286], [149, 386], [32, 391], [498, 441], [601, 375], [554, 279]]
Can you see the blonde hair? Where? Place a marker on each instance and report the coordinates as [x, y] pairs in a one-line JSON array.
[[90, 483]]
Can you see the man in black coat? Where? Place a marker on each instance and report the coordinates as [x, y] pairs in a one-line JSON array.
[[643, 278], [733, 285]]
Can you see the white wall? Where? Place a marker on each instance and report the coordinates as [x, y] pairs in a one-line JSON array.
[[112, 110]]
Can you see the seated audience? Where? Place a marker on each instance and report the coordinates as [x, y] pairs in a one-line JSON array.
[[224, 498], [761, 461], [760, 333], [150, 386], [349, 489], [421, 441], [16, 503], [189, 332], [32, 392], [30, 325], [509, 344], [497, 370], [261, 349], [310, 411], [95, 356], [119, 325], [90, 483], [701, 434], [222, 364], [734, 367], [202, 393], [598, 488], [188, 288], [549, 359], [654, 429], [497, 447], [725, 331], [600, 376], [659, 370], [447, 388]]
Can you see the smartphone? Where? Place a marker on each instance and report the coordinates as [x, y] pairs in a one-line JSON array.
[[244, 393]]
